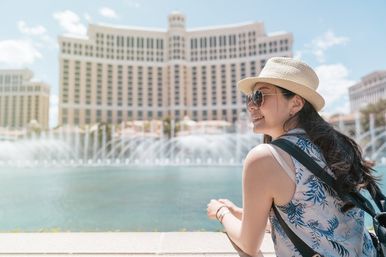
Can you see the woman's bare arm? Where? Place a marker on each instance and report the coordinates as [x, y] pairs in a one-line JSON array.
[[248, 233]]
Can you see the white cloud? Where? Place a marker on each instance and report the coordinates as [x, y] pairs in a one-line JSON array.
[[298, 55], [33, 31], [54, 110], [320, 44], [333, 86], [38, 35], [47, 40], [70, 22], [87, 17], [107, 12], [16, 53], [132, 3]]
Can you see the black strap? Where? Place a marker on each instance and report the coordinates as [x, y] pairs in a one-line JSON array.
[[302, 247], [355, 197]]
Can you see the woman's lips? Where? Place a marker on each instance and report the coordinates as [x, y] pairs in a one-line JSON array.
[[254, 119]]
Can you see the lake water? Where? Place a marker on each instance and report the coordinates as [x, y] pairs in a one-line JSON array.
[[116, 199]]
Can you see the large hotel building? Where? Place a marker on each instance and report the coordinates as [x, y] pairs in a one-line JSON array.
[[120, 74], [369, 90], [22, 100]]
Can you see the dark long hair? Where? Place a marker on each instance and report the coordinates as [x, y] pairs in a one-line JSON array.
[[342, 154]]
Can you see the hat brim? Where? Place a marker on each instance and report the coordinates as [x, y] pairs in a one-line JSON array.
[[246, 86]]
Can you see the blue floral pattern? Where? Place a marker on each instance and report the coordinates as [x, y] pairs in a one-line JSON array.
[[314, 213], [315, 193]]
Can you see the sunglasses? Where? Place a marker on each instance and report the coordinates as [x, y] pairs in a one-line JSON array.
[[257, 97]]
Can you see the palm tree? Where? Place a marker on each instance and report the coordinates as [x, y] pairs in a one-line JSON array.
[[379, 111]]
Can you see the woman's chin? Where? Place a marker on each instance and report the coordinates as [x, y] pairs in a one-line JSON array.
[[257, 129]]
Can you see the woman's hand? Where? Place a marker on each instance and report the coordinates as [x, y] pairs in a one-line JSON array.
[[235, 210], [213, 207]]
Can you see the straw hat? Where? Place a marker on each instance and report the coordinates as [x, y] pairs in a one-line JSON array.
[[288, 73]]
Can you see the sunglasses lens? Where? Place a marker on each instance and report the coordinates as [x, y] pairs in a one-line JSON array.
[[257, 98]]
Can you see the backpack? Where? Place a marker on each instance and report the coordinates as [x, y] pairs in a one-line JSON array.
[[379, 218]]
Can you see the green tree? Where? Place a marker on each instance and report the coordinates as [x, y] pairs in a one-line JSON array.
[[166, 122], [167, 127], [146, 126], [379, 111], [100, 127]]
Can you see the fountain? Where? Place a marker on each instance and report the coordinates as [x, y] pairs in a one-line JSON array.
[[127, 145]]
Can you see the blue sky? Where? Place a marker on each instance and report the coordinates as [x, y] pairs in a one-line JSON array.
[[343, 40]]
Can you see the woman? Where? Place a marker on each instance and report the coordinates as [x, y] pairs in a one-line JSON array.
[[283, 102]]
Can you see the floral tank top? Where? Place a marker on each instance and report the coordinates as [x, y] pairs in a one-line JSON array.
[[314, 213]]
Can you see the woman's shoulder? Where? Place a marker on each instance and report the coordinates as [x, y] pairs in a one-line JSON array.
[[259, 152], [258, 158]]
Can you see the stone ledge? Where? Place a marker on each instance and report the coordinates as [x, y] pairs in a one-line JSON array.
[[208, 244]]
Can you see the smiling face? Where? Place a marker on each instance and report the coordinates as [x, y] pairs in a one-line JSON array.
[[269, 118]]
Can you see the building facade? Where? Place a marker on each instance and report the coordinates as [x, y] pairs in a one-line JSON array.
[[21, 100], [119, 74], [369, 90]]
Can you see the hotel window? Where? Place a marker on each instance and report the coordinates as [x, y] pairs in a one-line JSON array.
[[233, 74], [213, 87], [130, 42], [242, 70], [110, 85], [109, 116], [149, 43], [232, 39], [150, 86], [223, 85], [119, 92], [129, 85], [194, 82], [64, 112], [212, 42], [98, 116], [203, 42], [36, 107], [176, 85], [99, 84], [262, 64], [77, 82], [205, 114], [140, 87], [223, 41], [262, 48], [253, 68], [140, 41], [119, 116], [159, 84], [273, 46], [234, 115], [204, 89]]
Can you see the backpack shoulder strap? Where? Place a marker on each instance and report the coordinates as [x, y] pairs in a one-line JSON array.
[[354, 197]]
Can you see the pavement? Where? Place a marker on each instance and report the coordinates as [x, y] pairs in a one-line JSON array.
[[138, 244]]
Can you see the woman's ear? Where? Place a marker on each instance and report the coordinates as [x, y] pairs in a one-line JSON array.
[[297, 104]]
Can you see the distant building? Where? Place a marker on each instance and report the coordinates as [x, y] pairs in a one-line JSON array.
[[120, 74], [21, 100], [369, 90], [345, 123]]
